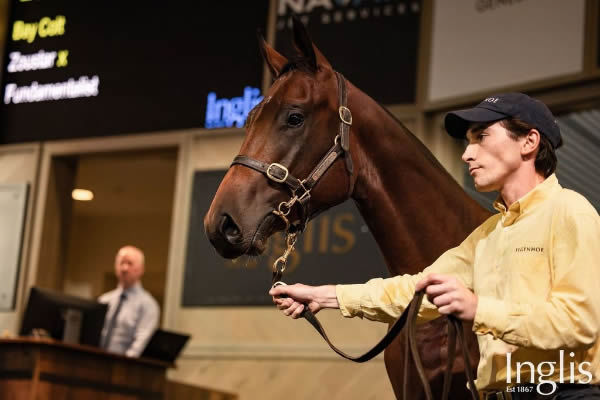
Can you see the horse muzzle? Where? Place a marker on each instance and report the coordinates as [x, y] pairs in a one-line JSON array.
[[232, 240]]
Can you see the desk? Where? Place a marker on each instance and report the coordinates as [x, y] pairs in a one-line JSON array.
[[45, 369]]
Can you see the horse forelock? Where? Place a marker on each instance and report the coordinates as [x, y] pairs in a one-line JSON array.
[[299, 88], [300, 63]]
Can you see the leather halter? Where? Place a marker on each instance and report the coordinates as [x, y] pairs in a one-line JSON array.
[[300, 189]]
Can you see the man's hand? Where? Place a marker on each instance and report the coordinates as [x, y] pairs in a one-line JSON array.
[[449, 295], [316, 297]]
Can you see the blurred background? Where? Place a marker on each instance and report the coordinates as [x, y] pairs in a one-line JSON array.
[[142, 105]]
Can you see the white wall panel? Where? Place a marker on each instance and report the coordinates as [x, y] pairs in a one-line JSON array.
[[483, 45]]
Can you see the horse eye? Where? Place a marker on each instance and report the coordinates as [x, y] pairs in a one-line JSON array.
[[295, 120]]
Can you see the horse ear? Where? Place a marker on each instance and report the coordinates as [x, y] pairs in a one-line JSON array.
[[274, 60], [321, 60], [306, 47]]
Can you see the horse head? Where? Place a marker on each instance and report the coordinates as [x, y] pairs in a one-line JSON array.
[[290, 137]]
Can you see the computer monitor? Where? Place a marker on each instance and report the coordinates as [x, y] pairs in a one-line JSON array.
[[165, 345], [67, 318]]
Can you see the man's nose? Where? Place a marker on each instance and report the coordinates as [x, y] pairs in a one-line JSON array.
[[468, 154]]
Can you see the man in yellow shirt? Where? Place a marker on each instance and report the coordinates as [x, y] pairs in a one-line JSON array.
[[527, 278]]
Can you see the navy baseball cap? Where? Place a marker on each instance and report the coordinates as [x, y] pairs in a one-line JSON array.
[[502, 106]]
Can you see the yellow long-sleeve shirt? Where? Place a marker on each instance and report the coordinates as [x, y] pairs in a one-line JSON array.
[[535, 269]]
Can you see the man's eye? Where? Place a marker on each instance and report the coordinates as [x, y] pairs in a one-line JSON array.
[[295, 120]]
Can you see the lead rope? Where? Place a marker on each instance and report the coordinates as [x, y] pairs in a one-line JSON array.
[[408, 316], [454, 327]]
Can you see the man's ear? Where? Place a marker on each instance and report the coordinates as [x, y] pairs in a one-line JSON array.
[[531, 143]]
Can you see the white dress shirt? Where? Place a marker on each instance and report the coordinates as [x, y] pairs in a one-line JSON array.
[[136, 321]]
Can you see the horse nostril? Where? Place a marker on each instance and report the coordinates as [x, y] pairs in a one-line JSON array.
[[229, 229]]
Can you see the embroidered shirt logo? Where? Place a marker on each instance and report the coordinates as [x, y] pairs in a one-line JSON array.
[[529, 249]]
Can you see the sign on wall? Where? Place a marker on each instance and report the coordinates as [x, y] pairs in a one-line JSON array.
[[374, 43], [227, 113], [80, 69], [337, 247], [482, 45], [13, 202]]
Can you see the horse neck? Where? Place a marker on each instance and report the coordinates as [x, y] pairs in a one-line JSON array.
[[412, 205]]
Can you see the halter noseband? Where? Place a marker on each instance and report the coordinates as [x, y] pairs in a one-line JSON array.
[[300, 189]]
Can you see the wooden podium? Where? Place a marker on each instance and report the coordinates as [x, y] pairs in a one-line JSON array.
[[40, 369], [45, 369]]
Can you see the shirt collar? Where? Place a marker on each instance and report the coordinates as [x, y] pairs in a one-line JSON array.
[[534, 197], [133, 289]]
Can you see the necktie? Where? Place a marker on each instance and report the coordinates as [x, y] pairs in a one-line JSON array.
[[113, 320]]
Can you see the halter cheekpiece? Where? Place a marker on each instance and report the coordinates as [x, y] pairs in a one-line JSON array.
[[301, 189]]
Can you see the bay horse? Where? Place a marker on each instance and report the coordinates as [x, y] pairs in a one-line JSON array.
[[411, 204]]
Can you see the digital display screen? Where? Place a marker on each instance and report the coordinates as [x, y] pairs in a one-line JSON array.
[[83, 69], [373, 43]]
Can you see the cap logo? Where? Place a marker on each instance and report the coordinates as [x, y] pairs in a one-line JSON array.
[[491, 100]]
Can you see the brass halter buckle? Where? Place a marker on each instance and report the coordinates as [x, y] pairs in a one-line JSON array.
[[273, 177], [345, 115]]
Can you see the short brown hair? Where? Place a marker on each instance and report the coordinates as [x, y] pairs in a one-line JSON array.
[[545, 159]]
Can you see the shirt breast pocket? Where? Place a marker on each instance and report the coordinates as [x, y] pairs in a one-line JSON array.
[[531, 274]]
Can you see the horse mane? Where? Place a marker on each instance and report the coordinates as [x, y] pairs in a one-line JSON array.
[[424, 149]]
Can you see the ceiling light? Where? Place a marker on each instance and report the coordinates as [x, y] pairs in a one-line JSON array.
[[82, 194]]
